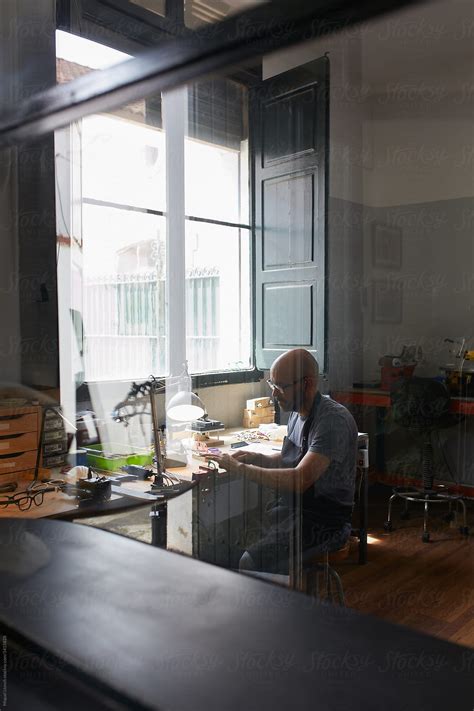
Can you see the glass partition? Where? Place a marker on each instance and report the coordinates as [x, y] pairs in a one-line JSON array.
[[322, 199]]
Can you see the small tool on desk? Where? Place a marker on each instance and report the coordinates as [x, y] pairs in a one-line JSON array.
[[98, 487], [134, 494], [204, 424], [134, 471]]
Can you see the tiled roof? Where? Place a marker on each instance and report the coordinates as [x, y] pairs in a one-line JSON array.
[[68, 71]]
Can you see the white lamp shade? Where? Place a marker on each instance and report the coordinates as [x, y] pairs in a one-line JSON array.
[[185, 406]]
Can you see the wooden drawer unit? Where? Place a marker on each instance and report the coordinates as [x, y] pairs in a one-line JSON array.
[[17, 462], [19, 434], [11, 444], [18, 424]]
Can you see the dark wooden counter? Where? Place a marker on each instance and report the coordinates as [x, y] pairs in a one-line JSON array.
[[139, 627]]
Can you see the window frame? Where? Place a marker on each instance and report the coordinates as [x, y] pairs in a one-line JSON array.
[[176, 315], [274, 26]]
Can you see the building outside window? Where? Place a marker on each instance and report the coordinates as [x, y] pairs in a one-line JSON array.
[[112, 214]]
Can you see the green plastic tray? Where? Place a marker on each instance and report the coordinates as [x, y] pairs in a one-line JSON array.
[[97, 458]]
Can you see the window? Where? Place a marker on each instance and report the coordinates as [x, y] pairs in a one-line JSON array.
[[112, 193], [217, 229]]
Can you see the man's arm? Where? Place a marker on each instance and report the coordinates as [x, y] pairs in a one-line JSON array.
[[298, 479], [267, 461]]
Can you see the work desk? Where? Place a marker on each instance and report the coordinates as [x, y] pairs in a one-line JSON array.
[[210, 522], [96, 621], [379, 401], [371, 397], [60, 505]]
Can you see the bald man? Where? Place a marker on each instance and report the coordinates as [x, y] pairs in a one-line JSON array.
[[317, 463]]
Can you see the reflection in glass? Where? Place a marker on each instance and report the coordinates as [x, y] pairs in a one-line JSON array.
[[399, 157], [207, 12]]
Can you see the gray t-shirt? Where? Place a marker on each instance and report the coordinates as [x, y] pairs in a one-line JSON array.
[[333, 433]]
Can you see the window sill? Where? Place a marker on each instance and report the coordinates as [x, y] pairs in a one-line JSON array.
[[231, 377], [200, 380]]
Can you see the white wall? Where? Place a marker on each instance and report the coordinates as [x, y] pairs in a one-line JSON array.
[[419, 152], [420, 179]]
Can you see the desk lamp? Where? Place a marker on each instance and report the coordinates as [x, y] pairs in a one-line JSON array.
[[183, 407], [188, 407]]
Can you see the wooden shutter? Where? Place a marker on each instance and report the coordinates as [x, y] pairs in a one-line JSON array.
[[289, 116]]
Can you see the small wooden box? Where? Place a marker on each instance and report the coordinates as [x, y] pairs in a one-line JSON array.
[[258, 402], [257, 417]]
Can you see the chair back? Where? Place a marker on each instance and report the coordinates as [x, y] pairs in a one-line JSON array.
[[420, 403]]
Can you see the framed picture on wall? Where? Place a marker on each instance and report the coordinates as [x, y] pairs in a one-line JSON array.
[[386, 246], [387, 301]]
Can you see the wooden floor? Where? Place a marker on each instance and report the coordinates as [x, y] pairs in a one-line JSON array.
[[427, 586]]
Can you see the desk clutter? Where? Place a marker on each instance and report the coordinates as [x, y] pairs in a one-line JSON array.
[[396, 368], [259, 411]]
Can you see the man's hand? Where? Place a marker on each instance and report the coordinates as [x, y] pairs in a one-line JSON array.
[[230, 462], [247, 457]]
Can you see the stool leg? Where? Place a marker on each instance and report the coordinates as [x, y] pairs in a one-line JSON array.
[[388, 523], [340, 589], [390, 501], [464, 528], [426, 536]]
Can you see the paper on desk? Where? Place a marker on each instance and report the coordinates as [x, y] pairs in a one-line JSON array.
[[133, 493], [261, 447]]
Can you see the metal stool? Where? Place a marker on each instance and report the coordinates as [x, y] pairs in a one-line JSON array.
[[427, 496], [317, 563], [422, 406]]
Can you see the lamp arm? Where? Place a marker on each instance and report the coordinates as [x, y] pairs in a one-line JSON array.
[[142, 391]]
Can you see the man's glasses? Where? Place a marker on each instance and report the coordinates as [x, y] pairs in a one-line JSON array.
[[25, 499], [273, 386]]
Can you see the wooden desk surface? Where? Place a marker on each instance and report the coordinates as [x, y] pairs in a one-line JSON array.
[[57, 504]]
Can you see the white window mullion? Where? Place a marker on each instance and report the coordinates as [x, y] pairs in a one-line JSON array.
[[174, 105]]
